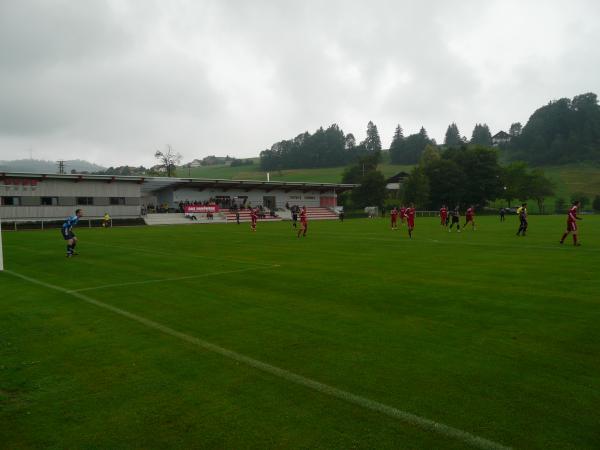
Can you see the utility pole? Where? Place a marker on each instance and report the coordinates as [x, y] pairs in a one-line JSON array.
[[61, 166]]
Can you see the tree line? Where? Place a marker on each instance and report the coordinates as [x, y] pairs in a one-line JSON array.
[[328, 147], [472, 175], [562, 131], [465, 175]]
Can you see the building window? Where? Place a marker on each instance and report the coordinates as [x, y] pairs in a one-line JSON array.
[[294, 197], [11, 201], [309, 197], [117, 200], [49, 201], [85, 200]]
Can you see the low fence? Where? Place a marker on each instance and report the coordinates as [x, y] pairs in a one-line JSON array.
[[54, 223]]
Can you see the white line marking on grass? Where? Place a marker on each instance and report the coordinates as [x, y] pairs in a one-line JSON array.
[[403, 416], [159, 280]]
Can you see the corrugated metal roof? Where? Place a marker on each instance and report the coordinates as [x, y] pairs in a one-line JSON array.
[[152, 184]]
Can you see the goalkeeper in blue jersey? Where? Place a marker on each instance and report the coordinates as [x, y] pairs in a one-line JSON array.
[[67, 232]]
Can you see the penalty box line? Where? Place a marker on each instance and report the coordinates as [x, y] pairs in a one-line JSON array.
[[398, 414], [160, 280]]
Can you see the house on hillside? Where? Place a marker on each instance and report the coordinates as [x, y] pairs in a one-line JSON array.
[[213, 160], [158, 169], [394, 183], [500, 138]]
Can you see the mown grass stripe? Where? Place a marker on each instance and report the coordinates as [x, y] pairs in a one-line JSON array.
[[160, 280], [403, 416]]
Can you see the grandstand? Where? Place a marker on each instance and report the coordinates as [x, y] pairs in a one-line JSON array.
[[31, 197]]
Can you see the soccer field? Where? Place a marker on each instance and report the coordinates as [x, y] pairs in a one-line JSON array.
[[354, 337]]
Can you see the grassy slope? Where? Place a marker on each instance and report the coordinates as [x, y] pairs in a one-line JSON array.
[[325, 175], [568, 179], [575, 178], [490, 333]]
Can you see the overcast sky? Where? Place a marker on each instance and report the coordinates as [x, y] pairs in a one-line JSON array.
[[112, 81]]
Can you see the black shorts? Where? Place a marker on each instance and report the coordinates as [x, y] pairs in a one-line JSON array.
[[67, 234], [455, 219]]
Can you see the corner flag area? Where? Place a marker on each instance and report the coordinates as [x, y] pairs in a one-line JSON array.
[[352, 337]]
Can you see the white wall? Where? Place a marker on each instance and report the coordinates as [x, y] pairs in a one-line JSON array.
[[67, 191]]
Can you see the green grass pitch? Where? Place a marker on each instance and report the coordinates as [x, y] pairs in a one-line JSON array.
[[485, 332]]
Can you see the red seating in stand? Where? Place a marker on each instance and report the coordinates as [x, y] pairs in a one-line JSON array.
[[317, 213]]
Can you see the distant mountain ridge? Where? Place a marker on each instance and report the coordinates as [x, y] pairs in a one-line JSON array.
[[42, 166]]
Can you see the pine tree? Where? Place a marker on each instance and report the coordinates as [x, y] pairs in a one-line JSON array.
[[397, 140], [452, 138], [481, 135], [373, 142]]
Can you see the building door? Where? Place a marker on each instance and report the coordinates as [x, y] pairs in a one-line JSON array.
[[224, 201], [269, 202]]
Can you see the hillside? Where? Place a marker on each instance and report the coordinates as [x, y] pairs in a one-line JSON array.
[[568, 179], [253, 172], [42, 166], [573, 178]]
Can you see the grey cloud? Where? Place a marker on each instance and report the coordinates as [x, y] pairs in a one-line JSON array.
[[112, 80]]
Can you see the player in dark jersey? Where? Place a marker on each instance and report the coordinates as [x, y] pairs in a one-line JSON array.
[[455, 219], [572, 224], [295, 216], [67, 232]]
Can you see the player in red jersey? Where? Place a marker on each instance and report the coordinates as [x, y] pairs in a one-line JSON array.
[[470, 216], [253, 219], [394, 215], [410, 219], [572, 224], [402, 214], [444, 216], [303, 222]]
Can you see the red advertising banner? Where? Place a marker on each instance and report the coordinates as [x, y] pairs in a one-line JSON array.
[[191, 209]]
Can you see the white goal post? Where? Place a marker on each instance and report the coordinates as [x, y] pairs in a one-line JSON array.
[[2, 189]]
